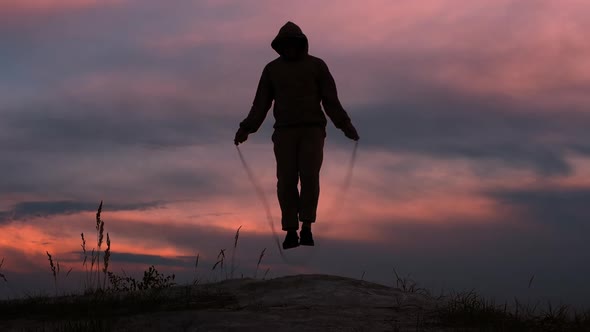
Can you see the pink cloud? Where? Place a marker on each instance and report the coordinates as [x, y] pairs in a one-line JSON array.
[[156, 85], [512, 49], [503, 48], [53, 5]]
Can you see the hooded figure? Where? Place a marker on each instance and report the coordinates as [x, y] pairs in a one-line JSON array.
[[299, 84]]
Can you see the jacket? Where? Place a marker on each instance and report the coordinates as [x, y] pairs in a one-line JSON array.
[[297, 87]]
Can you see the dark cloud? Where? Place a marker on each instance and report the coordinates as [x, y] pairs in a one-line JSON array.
[[47, 142], [152, 185], [126, 257], [24, 210], [496, 257], [185, 237], [485, 131], [564, 210], [96, 126]]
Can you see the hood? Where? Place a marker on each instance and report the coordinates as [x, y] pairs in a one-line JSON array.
[[289, 30]]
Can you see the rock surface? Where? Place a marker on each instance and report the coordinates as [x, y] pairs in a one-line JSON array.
[[294, 303]]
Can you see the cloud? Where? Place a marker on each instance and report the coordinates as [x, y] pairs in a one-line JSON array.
[[124, 176], [126, 257], [77, 125], [485, 131], [24, 210], [109, 92], [562, 210]]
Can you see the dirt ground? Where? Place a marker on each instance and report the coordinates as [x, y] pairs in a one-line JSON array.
[[294, 303]]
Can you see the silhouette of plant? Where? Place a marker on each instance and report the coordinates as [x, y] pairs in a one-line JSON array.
[[1, 274], [152, 279], [408, 285]]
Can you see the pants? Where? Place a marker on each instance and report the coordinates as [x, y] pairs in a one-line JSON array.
[[299, 153]]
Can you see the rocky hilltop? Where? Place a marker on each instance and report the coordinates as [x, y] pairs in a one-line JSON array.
[[293, 303]]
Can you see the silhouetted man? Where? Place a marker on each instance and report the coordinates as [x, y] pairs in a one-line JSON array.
[[297, 82]]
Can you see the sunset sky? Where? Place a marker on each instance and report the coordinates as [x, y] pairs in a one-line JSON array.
[[473, 166]]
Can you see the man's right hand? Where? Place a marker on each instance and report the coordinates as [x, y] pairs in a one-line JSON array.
[[350, 132], [241, 136]]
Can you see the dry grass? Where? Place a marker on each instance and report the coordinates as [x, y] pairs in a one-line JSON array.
[[53, 270], [1, 274], [196, 278], [92, 281], [407, 284], [99, 239], [219, 262], [470, 310], [259, 260], [104, 308], [233, 254], [107, 256]]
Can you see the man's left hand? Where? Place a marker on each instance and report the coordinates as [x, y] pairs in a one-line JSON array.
[[350, 132]]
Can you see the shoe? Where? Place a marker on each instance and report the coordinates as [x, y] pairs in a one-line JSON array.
[[291, 240], [306, 237]]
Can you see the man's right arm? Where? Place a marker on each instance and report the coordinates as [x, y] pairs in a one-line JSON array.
[[261, 105]]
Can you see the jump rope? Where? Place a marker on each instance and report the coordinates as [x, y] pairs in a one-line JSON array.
[[262, 197]]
